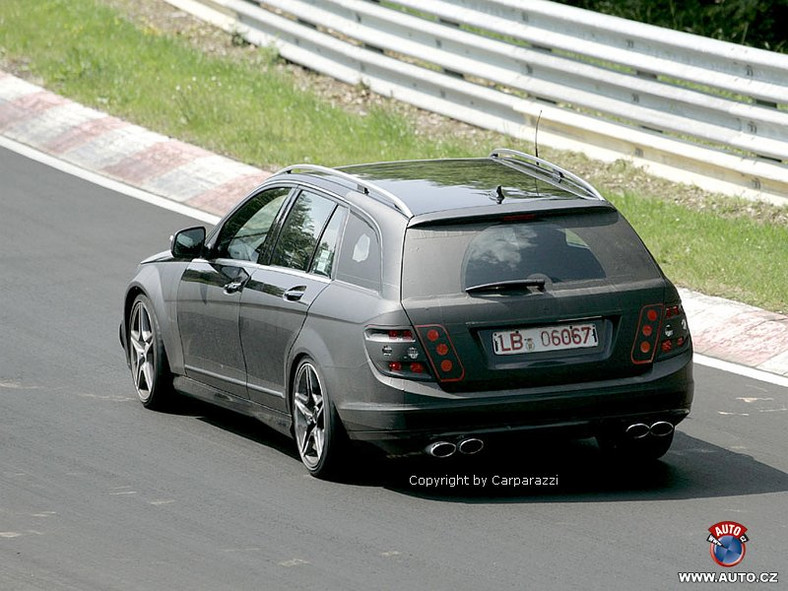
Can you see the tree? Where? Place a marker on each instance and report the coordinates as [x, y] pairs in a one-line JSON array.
[[757, 23]]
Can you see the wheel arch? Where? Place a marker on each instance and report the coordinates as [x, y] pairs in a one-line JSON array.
[[327, 459], [149, 283], [309, 345], [289, 386]]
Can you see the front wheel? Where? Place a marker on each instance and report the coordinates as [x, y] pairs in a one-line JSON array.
[[318, 432], [148, 360]]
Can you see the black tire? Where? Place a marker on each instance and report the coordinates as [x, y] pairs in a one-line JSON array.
[[147, 357], [319, 435], [623, 447]]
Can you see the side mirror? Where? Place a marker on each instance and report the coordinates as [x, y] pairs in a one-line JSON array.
[[188, 243]]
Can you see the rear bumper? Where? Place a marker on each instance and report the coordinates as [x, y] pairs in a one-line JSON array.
[[663, 393]]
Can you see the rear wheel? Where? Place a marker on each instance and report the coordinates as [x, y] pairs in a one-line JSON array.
[[318, 432], [148, 360]]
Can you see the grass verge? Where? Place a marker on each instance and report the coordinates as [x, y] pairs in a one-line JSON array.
[[255, 111]]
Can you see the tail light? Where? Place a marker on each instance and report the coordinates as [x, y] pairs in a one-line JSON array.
[[443, 357], [396, 352], [675, 335], [662, 332]]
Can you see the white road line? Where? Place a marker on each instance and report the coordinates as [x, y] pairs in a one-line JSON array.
[[106, 182], [742, 370]]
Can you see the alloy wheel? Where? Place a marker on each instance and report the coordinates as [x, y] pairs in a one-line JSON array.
[[143, 350], [309, 416]]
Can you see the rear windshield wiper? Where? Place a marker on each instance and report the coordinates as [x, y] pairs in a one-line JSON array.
[[508, 285]]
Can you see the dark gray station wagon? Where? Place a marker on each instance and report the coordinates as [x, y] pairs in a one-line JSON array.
[[419, 306]]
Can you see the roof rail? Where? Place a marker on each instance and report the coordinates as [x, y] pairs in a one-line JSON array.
[[363, 186], [533, 161]]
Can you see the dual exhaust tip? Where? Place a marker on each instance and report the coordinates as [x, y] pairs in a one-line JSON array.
[[657, 429], [473, 445], [445, 449]]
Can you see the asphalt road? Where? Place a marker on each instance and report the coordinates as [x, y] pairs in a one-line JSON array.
[[97, 493]]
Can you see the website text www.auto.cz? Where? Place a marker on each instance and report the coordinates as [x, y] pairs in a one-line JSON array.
[[727, 577]]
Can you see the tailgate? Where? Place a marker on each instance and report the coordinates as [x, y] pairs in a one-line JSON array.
[[553, 299]]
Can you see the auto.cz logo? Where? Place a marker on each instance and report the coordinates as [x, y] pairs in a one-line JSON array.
[[727, 546], [727, 541]]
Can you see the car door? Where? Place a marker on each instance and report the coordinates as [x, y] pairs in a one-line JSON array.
[[210, 291], [275, 302]]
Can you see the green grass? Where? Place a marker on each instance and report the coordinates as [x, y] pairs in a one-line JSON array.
[[740, 259], [255, 111], [85, 51]]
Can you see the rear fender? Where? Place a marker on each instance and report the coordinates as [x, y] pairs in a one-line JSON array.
[[333, 336], [310, 344]]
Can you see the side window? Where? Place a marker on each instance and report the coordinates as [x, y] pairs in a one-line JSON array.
[[323, 261], [301, 230], [243, 235], [359, 257]]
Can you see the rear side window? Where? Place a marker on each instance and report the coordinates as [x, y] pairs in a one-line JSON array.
[[359, 257], [564, 250], [323, 261]]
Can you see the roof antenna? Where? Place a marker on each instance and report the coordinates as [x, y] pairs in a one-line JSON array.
[[536, 135]]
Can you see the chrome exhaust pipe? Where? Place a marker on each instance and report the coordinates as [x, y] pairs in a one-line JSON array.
[[441, 449], [661, 429], [638, 430], [470, 446]]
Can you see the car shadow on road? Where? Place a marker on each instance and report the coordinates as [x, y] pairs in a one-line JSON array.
[[233, 422], [533, 470], [575, 471]]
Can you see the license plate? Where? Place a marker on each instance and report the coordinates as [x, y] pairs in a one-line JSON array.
[[546, 338]]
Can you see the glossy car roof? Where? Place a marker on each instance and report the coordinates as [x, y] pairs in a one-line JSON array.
[[430, 186]]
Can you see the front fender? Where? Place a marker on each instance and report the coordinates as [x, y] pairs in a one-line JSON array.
[[159, 282]]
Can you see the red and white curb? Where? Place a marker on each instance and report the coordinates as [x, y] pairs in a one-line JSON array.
[[738, 333], [183, 174], [119, 150]]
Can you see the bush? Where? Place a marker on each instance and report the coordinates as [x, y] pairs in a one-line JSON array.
[[757, 23]]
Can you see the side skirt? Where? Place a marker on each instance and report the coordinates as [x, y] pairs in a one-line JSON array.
[[276, 420]]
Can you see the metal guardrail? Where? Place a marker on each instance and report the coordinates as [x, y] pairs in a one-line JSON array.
[[686, 107]]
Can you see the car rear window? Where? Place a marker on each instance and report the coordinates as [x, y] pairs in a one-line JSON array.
[[562, 250]]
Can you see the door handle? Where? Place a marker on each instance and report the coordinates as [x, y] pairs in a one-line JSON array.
[[235, 286], [294, 294]]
